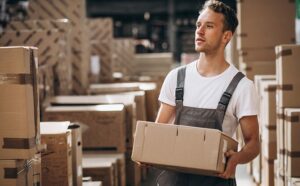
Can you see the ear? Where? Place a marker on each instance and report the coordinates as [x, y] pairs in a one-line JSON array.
[[227, 36]]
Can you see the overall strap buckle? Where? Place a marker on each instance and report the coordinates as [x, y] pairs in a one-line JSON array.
[[225, 99], [179, 94]]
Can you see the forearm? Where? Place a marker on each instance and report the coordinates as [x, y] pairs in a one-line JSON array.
[[248, 152]]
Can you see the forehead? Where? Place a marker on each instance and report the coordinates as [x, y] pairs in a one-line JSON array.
[[208, 15]]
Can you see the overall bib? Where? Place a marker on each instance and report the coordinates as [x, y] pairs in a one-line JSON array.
[[198, 117]]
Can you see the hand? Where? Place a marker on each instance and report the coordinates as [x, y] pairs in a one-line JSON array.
[[143, 165], [231, 164]]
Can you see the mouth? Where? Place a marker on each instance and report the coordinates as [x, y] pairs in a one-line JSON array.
[[200, 40]]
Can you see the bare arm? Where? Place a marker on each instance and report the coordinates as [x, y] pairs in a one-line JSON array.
[[249, 126], [165, 113]]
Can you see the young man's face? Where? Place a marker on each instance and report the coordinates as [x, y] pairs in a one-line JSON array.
[[209, 31]]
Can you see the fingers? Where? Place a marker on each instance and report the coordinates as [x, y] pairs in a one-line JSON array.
[[229, 153]]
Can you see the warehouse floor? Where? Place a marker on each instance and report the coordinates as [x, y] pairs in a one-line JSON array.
[[243, 178]]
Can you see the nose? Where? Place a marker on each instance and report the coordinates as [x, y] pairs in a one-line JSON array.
[[200, 30]]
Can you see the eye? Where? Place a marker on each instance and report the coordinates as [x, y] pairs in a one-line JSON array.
[[209, 26]]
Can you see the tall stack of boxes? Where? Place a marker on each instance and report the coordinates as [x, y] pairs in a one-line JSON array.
[[19, 115], [101, 44], [262, 26], [288, 104], [75, 11]]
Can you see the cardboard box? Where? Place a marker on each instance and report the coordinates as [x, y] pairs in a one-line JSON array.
[[127, 100], [57, 160], [256, 54], [252, 68], [286, 71], [76, 150], [92, 183], [255, 14], [153, 144], [292, 146], [44, 40], [37, 169], [100, 170], [103, 126], [150, 88], [19, 108], [101, 43], [16, 172], [117, 159], [123, 55]]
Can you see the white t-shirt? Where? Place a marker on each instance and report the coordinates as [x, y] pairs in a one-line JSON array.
[[205, 92]]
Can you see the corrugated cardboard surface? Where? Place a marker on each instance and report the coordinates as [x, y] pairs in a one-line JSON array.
[[257, 54], [92, 183], [292, 145], [117, 159], [250, 69], [166, 146], [287, 68], [150, 88], [99, 170], [57, 160], [19, 108], [274, 28], [103, 126], [127, 100], [16, 172]]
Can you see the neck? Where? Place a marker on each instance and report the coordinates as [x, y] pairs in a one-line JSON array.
[[211, 64]]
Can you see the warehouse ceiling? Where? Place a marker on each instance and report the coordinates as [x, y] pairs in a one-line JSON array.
[[99, 8]]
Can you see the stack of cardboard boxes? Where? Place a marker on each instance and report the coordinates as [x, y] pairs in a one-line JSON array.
[[19, 115], [287, 102], [75, 11], [262, 26]]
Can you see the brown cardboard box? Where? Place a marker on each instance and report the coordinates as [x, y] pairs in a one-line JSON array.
[[116, 158], [274, 28], [99, 169], [101, 43], [252, 68], [257, 54], [154, 144], [103, 126], [16, 172], [19, 108], [44, 40], [150, 88], [92, 183], [292, 146], [123, 55], [286, 70], [76, 153], [127, 100], [57, 160]]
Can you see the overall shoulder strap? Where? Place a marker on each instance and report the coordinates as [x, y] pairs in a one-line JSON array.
[[224, 101], [179, 92]]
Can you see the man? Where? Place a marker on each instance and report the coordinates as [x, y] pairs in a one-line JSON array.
[[211, 93]]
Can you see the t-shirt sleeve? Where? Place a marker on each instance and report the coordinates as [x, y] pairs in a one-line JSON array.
[[247, 101], [167, 93]]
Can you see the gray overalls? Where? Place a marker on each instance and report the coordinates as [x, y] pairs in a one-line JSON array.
[[198, 117]]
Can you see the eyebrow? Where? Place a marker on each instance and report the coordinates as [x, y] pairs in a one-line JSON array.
[[208, 22]]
